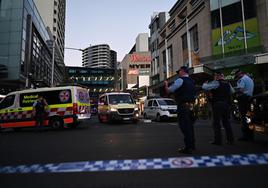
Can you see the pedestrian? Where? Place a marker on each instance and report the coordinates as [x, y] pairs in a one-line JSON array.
[[39, 111], [184, 91], [244, 91], [221, 92]]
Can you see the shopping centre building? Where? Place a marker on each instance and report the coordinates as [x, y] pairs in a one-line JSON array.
[[209, 35]]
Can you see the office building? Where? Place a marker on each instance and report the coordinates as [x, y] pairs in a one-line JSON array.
[[136, 65], [53, 14], [25, 57]]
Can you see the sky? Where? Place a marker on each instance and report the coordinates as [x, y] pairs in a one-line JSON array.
[[113, 22]]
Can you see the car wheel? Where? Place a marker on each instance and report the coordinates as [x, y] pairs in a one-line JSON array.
[[100, 120], [135, 121], [158, 118], [56, 123], [145, 116]]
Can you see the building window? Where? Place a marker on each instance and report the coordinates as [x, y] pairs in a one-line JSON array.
[[194, 3], [231, 12], [194, 41], [171, 26], [194, 38], [170, 60], [164, 64], [184, 41]]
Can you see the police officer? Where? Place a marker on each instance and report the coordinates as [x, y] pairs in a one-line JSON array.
[[221, 91], [245, 87], [39, 111], [184, 91]]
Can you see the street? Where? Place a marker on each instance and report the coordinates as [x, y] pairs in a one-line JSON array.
[[93, 141]]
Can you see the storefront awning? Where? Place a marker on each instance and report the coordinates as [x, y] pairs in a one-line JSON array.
[[261, 58], [201, 73]]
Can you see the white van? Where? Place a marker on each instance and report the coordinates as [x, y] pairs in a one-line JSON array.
[[117, 106], [160, 109], [2, 96], [66, 105]]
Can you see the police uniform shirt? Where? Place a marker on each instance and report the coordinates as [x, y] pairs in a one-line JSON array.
[[214, 85], [246, 84], [176, 85]]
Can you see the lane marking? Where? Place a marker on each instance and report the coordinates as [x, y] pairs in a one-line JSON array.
[[141, 164]]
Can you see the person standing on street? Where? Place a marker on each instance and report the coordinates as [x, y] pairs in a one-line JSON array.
[[184, 91], [39, 111], [245, 87], [221, 92]]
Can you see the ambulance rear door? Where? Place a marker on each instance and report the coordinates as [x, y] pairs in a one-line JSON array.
[[8, 111], [82, 100]]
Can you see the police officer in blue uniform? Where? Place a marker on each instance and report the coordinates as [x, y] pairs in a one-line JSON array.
[[184, 91], [221, 91], [245, 87]]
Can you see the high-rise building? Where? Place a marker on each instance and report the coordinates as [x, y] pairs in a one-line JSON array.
[[25, 58], [99, 56], [53, 15]]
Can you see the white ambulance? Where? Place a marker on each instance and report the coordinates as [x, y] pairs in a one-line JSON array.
[[66, 106]]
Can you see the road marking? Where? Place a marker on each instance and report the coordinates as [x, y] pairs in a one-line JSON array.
[[141, 164]]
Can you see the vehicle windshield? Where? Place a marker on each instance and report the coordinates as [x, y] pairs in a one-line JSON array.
[[166, 102], [118, 99]]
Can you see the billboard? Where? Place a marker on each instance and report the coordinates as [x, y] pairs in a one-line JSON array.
[[233, 37]]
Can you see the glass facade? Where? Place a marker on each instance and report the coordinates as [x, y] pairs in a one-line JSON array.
[[11, 12], [97, 80], [23, 43]]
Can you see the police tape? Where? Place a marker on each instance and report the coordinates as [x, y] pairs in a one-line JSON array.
[[141, 164]]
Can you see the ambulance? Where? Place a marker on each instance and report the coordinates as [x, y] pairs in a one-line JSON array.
[[118, 106], [67, 106]]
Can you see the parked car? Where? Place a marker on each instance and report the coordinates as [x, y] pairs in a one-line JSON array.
[[160, 109], [257, 116]]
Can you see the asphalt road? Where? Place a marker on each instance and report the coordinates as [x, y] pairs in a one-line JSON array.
[[94, 141]]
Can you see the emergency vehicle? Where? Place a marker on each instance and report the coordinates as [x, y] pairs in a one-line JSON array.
[[67, 105], [1, 97], [117, 106]]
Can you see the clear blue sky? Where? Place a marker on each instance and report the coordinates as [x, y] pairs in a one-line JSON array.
[[113, 22]]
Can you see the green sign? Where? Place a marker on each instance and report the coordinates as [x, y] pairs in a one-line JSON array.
[[234, 37]]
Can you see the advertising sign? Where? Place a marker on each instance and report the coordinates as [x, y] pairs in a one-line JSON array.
[[233, 37], [133, 71]]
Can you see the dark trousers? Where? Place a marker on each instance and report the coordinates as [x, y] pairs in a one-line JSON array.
[[39, 120], [221, 113], [186, 122], [243, 105]]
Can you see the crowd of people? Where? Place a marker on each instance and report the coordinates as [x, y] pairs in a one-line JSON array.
[[220, 92]]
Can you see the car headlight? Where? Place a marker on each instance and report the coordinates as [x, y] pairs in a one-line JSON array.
[[136, 109], [251, 107], [113, 109], [248, 120]]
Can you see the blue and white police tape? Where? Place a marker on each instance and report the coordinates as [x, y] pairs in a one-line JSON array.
[[141, 164]]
